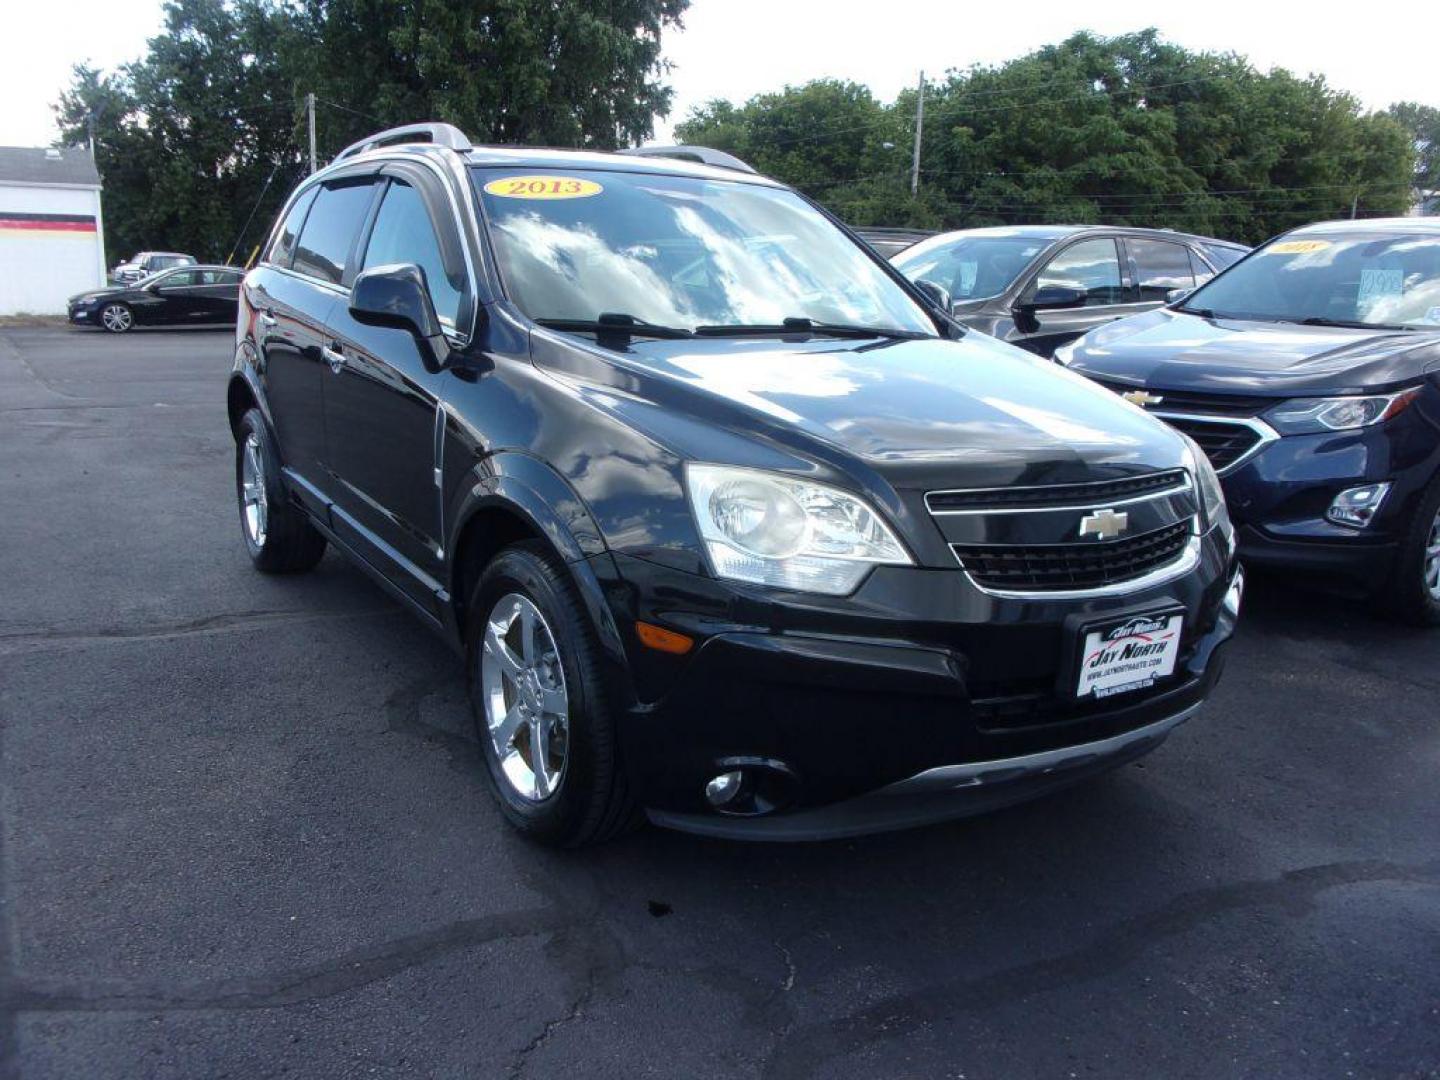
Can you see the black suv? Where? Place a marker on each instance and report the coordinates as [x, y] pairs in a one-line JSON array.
[[731, 527]]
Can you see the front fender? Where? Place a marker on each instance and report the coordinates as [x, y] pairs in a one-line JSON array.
[[526, 488]]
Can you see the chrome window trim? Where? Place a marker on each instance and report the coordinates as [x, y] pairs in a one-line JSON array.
[[1266, 433], [1188, 485]]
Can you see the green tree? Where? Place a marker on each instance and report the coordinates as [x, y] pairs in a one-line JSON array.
[[1422, 122], [1125, 130], [190, 135]]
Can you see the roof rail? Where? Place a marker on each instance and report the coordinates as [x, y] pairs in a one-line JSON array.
[[436, 134], [703, 155]]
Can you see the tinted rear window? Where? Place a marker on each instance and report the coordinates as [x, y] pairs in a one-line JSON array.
[[330, 230]]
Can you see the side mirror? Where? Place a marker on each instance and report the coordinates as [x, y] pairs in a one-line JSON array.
[[937, 294], [396, 297], [1174, 296], [1056, 297]]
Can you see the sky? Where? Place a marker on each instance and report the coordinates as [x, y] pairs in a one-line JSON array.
[[738, 48]]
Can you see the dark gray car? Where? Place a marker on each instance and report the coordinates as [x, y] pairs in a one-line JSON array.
[[1039, 286]]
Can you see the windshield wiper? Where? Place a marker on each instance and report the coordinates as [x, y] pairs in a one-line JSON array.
[[1349, 324], [797, 325], [614, 326], [1203, 312]]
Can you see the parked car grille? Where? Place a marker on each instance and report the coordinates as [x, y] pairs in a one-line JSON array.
[[1223, 443], [1088, 494], [1039, 567], [1185, 401]]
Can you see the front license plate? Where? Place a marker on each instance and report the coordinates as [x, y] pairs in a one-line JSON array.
[[1130, 655]]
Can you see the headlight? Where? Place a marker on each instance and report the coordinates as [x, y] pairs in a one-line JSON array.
[[771, 529], [1307, 416], [1212, 497]]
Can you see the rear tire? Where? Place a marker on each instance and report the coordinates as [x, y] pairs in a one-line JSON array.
[[1413, 593], [278, 536], [541, 699]]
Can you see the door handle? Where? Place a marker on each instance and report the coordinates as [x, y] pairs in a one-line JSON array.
[[334, 357]]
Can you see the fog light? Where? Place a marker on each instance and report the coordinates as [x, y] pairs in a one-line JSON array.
[[722, 789], [1357, 506]]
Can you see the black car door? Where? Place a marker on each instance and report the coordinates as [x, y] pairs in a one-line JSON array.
[[383, 412], [182, 298], [1091, 266], [292, 295], [219, 294]]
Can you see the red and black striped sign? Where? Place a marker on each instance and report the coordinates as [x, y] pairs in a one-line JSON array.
[[16, 221]]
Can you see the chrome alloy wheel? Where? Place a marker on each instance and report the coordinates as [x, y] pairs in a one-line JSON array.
[[1432, 559], [254, 504], [117, 318], [526, 705]]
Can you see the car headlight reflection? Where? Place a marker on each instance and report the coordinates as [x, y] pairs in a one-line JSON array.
[[771, 529]]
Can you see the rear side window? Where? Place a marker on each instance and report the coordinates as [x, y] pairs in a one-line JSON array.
[[403, 233], [330, 230], [283, 249], [1223, 256], [1159, 267], [1093, 266]]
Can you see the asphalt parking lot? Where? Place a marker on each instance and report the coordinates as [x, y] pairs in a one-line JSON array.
[[245, 834]]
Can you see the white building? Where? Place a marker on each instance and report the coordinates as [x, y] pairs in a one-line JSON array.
[[52, 242]]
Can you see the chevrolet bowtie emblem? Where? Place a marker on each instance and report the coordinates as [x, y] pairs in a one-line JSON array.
[[1142, 398], [1104, 524]]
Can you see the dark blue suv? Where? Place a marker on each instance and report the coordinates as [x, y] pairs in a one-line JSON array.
[[1310, 374]]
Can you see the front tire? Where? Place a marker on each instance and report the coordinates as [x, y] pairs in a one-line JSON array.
[[1413, 592], [116, 318], [278, 536], [541, 715]]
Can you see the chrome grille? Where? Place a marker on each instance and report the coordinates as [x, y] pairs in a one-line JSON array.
[[1041, 567], [1098, 492]]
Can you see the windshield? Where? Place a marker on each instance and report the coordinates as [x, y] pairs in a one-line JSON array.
[[973, 267], [1373, 279], [680, 252]]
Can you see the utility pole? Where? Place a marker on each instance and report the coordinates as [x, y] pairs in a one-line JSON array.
[[1354, 205], [310, 108], [90, 131], [919, 130]]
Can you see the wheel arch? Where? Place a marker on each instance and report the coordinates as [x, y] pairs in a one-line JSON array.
[[511, 505]]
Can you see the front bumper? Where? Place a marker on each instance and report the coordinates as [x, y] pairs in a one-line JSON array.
[[929, 703], [83, 314], [1279, 497]]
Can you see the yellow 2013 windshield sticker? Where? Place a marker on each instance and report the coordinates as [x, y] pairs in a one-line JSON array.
[[543, 187], [1297, 247]]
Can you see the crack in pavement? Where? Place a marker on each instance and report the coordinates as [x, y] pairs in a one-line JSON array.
[[810, 1047], [37, 639], [350, 971]]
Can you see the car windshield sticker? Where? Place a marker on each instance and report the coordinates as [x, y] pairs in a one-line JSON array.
[[1381, 283], [542, 187], [1297, 247]]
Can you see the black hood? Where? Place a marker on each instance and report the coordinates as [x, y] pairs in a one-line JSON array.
[[922, 413], [97, 294], [1171, 350]]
